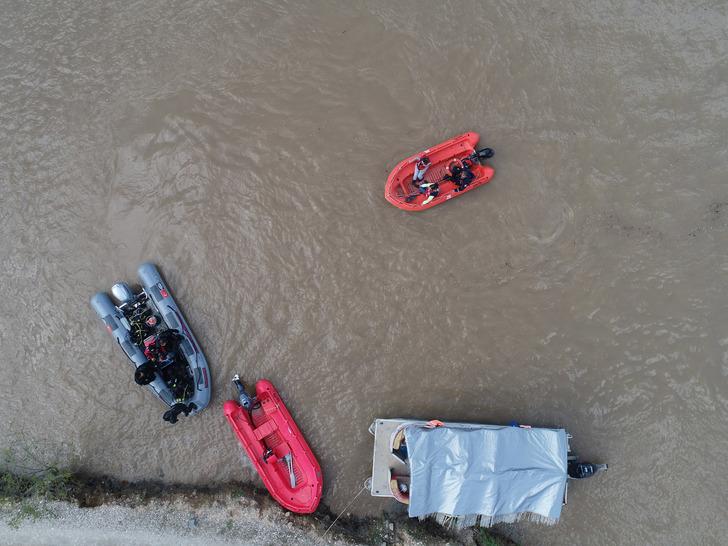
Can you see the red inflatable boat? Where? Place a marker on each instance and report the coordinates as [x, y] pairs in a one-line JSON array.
[[401, 191], [277, 448]]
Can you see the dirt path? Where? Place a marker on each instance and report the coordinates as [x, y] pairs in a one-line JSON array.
[[157, 523]]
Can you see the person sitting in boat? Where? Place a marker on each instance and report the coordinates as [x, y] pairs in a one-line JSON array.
[[169, 340], [145, 373], [429, 189], [177, 377], [162, 347], [421, 166], [151, 349], [168, 343], [460, 174]]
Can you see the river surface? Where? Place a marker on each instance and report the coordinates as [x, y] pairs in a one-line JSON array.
[[244, 146]]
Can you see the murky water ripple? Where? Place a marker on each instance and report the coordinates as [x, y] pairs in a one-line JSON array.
[[244, 148]]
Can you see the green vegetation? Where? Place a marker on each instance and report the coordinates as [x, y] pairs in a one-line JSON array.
[[28, 482], [483, 537], [427, 531], [377, 533], [25, 484]]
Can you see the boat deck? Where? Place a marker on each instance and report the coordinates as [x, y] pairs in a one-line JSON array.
[[383, 460]]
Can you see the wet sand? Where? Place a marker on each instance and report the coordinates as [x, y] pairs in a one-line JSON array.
[[244, 149]]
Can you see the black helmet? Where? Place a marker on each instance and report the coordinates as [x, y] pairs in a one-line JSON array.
[[144, 374]]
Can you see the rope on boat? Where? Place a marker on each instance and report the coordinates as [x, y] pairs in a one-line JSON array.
[[363, 488]]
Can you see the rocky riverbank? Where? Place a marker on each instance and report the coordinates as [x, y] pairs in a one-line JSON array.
[[63, 509]]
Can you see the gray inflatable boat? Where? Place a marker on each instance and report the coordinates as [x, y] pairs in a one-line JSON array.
[[150, 329]]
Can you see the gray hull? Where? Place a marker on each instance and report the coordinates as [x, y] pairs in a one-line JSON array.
[[160, 298]]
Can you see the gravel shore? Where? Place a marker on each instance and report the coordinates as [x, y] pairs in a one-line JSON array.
[[158, 523]]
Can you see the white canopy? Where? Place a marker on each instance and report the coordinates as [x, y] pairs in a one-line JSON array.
[[484, 474]]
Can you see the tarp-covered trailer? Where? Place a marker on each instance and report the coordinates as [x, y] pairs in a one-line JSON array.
[[472, 474]]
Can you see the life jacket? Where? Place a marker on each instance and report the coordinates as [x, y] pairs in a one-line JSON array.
[[154, 349]]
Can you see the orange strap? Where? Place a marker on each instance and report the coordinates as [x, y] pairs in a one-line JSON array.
[[269, 406], [434, 424]]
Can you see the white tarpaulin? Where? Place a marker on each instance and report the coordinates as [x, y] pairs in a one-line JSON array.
[[486, 474]]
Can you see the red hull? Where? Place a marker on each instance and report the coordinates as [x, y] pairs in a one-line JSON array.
[[271, 427], [399, 183]]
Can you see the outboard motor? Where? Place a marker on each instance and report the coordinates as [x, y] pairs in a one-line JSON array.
[[243, 397], [171, 414], [580, 471], [123, 293], [480, 155]]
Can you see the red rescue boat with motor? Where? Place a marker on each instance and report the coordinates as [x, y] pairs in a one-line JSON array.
[[438, 174], [276, 447]]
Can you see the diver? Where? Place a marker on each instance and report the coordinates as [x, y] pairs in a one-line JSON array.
[[162, 347], [169, 340], [460, 174], [177, 378], [145, 373]]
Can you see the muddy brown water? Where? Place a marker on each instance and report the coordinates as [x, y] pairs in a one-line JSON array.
[[244, 147]]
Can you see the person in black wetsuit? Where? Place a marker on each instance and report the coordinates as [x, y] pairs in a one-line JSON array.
[[169, 341], [172, 364], [461, 174], [145, 373]]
